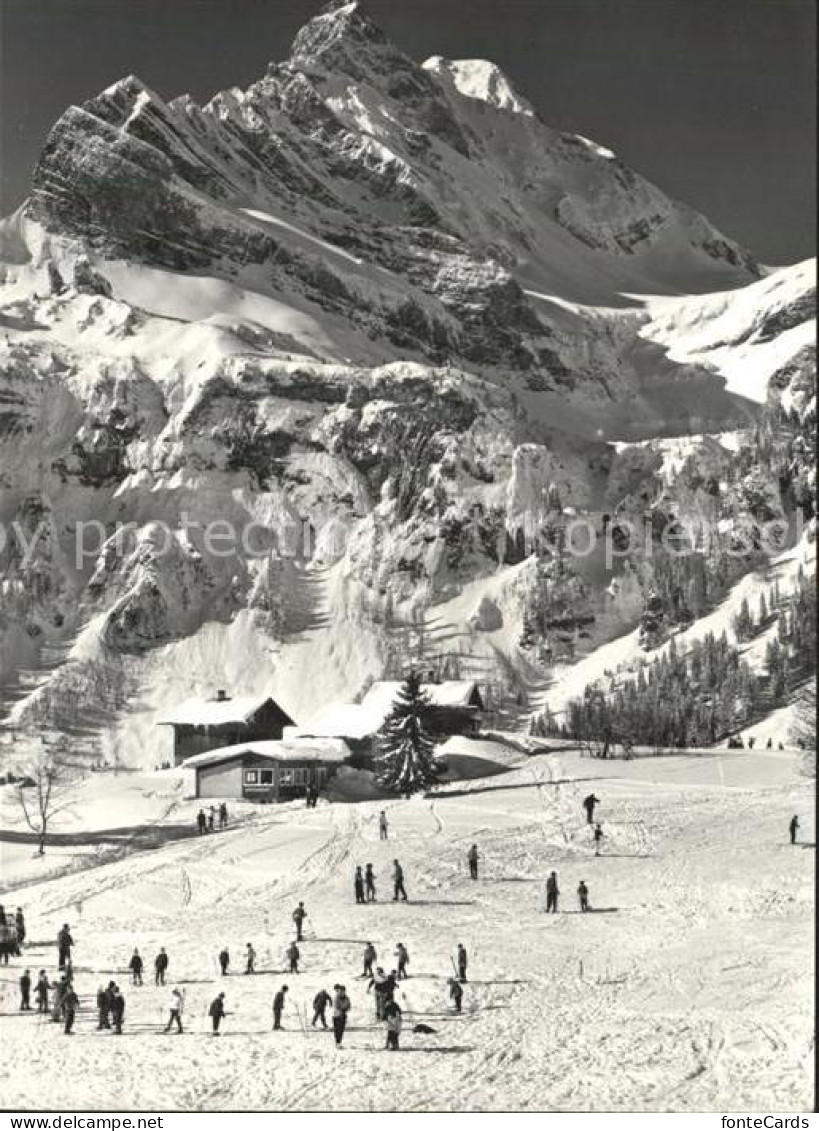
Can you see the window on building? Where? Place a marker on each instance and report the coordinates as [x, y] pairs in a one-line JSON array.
[[251, 777], [321, 773], [266, 777], [285, 777]]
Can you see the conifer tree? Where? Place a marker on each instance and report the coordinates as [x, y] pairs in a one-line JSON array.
[[406, 750]]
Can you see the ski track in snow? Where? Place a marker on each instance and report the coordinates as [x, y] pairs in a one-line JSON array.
[[689, 986]]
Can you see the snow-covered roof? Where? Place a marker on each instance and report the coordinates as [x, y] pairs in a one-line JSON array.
[[277, 750], [360, 720], [215, 712]]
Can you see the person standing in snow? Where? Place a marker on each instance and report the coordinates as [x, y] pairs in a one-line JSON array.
[[135, 966], [398, 881], [583, 895], [382, 825], [25, 990], [201, 822], [160, 966], [223, 816], [43, 986], [102, 1008], [341, 1007], [402, 954], [117, 1009], [64, 945], [589, 804], [794, 826], [472, 860], [392, 1016], [217, 1012], [369, 958], [456, 993], [212, 818], [369, 883], [250, 967], [278, 1007], [293, 955], [358, 885], [462, 962], [378, 984], [20, 926], [224, 961], [177, 1007], [320, 1003], [70, 1005], [552, 892], [299, 915], [598, 837]]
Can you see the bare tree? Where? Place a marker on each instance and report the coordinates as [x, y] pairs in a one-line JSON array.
[[44, 790]]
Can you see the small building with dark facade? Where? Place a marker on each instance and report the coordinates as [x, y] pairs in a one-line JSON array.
[[201, 725], [267, 771]]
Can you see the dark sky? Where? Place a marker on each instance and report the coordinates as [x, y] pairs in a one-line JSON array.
[[711, 99]]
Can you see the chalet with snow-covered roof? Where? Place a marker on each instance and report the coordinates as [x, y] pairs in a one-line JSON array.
[[456, 707], [201, 725], [269, 771]]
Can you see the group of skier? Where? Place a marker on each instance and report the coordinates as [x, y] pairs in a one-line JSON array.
[[206, 822]]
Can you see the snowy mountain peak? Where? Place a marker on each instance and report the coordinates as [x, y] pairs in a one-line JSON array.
[[336, 30], [479, 79]]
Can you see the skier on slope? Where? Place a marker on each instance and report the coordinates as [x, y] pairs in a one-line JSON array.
[[117, 1009], [358, 885], [293, 955], [583, 895], [378, 984], [216, 1012], [223, 815], [136, 966], [250, 966], [589, 804], [462, 961], [25, 990], [369, 958], [793, 826], [598, 838], [394, 1020], [320, 1003], [552, 892], [160, 967], [299, 915], [43, 986], [382, 825], [341, 1007], [64, 945], [278, 1007], [177, 1008], [398, 881], [472, 860], [456, 993], [402, 954], [369, 883], [224, 961]]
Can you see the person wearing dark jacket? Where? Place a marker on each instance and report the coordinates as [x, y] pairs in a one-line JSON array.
[[293, 957], [43, 986], [201, 822], [278, 1007], [160, 967], [250, 967], [370, 956], [102, 1008], [462, 962], [398, 881], [456, 993], [223, 816], [299, 915], [402, 954], [224, 961], [552, 892], [341, 1007], [794, 826], [472, 860], [25, 990], [598, 838], [117, 1009], [358, 885], [378, 984], [320, 1003], [20, 926], [136, 966], [583, 895], [217, 1012], [70, 1005], [393, 1018], [589, 804], [64, 945], [369, 883]]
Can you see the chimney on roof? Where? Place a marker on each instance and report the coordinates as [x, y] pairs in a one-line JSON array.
[[221, 695]]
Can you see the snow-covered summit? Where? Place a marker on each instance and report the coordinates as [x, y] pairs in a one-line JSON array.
[[480, 79]]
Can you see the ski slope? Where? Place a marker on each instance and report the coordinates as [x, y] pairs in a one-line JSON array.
[[689, 988]]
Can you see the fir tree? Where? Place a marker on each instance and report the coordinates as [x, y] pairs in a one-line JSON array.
[[406, 758]]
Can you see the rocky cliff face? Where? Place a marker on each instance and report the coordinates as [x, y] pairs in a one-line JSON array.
[[369, 315]]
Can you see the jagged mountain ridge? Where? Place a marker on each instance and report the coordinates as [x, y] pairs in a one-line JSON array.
[[245, 310]]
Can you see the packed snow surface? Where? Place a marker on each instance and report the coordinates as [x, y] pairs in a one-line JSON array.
[[689, 986]]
